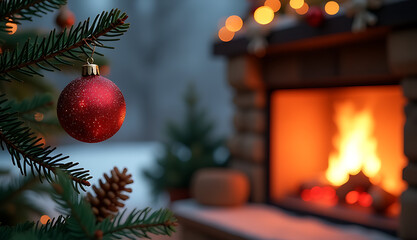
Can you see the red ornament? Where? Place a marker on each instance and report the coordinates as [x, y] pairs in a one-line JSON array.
[[91, 108], [65, 18], [315, 16]]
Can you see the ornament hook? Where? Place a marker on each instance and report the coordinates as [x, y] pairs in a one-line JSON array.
[[90, 69], [90, 60]]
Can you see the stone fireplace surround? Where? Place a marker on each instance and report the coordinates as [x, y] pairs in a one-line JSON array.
[[330, 56]]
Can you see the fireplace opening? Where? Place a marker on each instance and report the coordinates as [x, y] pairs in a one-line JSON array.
[[338, 153]]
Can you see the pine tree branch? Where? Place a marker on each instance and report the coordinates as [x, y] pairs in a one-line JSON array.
[[26, 150], [54, 229], [139, 223], [36, 112], [7, 232], [34, 104], [58, 49], [81, 220], [15, 188], [18, 10]]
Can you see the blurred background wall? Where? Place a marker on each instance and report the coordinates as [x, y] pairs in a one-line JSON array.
[[168, 45]]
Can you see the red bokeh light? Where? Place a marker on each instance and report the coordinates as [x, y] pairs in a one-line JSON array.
[[352, 197], [329, 192], [365, 199], [316, 192], [306, 195]]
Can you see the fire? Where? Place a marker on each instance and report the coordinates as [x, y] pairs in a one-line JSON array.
[[356, 148]]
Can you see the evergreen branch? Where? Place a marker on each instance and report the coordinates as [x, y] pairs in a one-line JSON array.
[[7, 232], [53, 229], [57, 49], [139, 223], [19, 10], [33, 112], [26, 150], [15, 188], [35, 104], [81, 220], [54, 223]]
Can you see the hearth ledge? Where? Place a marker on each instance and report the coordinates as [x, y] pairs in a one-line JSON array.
[[261, 222]]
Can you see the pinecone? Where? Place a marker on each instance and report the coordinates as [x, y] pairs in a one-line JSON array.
[[109, 195]]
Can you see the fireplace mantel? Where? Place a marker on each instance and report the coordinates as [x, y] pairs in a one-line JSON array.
[[335, 31], [301, 56]]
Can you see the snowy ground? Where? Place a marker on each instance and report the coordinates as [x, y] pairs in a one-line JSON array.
[[101, 158]]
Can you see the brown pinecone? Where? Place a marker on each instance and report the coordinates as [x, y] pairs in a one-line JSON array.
[[109, 195]]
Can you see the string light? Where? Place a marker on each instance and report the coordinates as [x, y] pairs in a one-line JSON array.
[[303, 10], [44, 219], [38, 116], [234, 23], [331, 7], [275, 5], [225, 35], [263, 15], [296, 4], [12, 27], [266, 13]]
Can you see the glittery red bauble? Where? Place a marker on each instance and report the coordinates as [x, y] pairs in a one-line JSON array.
[[315, 16], [91, 109]]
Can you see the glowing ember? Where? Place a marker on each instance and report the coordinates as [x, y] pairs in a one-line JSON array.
[[355, 145], [352, 197], [365, 199], [322, 195], [306, 195]]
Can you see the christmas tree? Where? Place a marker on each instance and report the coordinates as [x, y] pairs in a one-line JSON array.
[[190, 146], [91, 217]]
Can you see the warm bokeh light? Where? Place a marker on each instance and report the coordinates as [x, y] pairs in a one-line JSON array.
[[352, 197], [296, 4], [12, 28], [234, 23], [356, 146], [275, 5], [225, 35], [329, 193], [316, 192], [365, 199], [306, 195], [41, 141], [104, 70], [331, 7], [38, 116], [44, 219], [303, 10], [264, 15], [321, 195]]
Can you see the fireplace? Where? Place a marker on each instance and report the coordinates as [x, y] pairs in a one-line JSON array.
[[316, 95], [338, 152]]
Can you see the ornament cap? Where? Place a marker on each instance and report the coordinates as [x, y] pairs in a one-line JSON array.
[[90, 69]]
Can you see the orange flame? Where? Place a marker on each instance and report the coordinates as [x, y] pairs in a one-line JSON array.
[[355, 145]]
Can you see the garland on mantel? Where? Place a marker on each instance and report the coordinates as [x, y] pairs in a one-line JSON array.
[[264, 14]]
